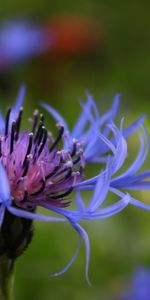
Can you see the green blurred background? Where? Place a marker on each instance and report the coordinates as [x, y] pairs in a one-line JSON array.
[[121, 64]]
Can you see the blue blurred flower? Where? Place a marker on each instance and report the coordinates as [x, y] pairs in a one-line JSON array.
[[34, 171], [139, 288], [20, 40]]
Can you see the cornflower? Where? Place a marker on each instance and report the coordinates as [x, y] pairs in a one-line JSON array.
[[36, 172]]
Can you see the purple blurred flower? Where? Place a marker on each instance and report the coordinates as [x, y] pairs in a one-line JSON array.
[[35, 171], [139, 288]]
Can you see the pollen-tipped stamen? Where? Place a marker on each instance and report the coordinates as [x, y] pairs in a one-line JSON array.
[[42, 118], [60, 133], [18, 123], [12, 137], [35, 120], [43, 142], [7, 121], [38, 133], [74, 149], [26, 166], [29, 148]]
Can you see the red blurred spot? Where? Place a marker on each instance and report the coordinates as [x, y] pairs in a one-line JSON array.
[[73, 34]]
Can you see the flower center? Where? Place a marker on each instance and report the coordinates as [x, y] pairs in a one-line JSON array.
[[37, 170]]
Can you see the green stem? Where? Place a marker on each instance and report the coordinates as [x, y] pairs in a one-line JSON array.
[[6, 278]]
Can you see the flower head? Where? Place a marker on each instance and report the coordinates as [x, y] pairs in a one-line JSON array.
[[37, 171], [40, 169]]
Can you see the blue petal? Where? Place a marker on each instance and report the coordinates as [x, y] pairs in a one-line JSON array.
[[92, 134], [75, 216], [33, 216], [100, 192], [92, 159], [18, 104], [131, 185], [20, 99], [142, 154], [58, 119], [139, 204], [79, 202], [2, 213], [70, 262], [108, 211], [93, 145], [133, 127], [129, 181], [140, 176], [4, 186], [90, 156], [113, 112], [84, 235], [55, 115], [108, 143], [115, 105], [133, 201], [94, 106], [121, 150], [84, 184], [87, 112], [82, 121], [2, 123]]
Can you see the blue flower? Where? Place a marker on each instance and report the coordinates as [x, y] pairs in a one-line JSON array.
[[36, 172], [20, 40], [139, 288]]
